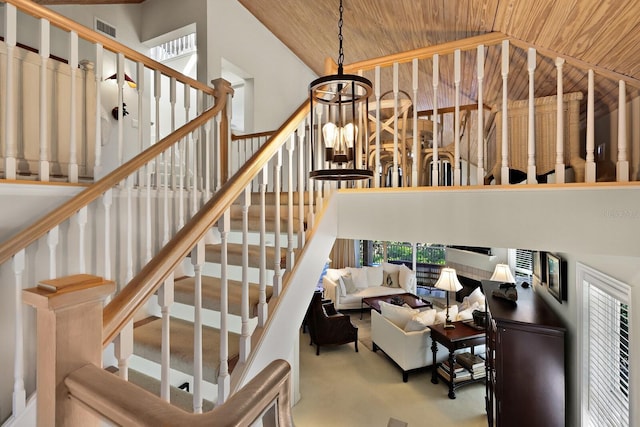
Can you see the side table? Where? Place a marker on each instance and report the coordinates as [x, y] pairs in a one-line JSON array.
[[463, 336]]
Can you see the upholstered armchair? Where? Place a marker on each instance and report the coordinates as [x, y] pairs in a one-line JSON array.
[[327, 326]]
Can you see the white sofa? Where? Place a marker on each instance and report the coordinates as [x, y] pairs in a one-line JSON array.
[[409, 350], [387, 279]]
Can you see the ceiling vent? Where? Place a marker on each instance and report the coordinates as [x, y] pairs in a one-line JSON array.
[[105, 28]]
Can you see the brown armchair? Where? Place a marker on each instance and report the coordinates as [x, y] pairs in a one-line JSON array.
[[327, 326]]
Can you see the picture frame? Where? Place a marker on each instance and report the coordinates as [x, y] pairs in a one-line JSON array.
[[540, 267], [556, 277]]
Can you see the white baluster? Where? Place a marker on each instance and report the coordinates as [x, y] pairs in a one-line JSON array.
[[181, 175], [301, 134], [194, 172], [197, 259], [435, 162], [172, 153], [394, 174], [52, 242], [318, 149], [622, 166], [377, 93], [142, 126], [123, 349], [165, 197], [457, 173], [262, 301], [207, 162], [120, 82], [107, 200], [44, 135], [245, 337], [224, 379], [217, 154], [480, 144], [311, 182], [504, 172], [590, 165], [157, 93], [290, 238], [277, 272], [416, 134], [11, 143], [81, 217], [97, 167], [165, 300], [531, 131], [19, 394], [148, 234], [129, 229], [560, 175], [73, 138]]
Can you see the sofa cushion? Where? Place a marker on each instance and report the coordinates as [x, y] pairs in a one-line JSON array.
[[374, 275], [387, 266], [391, 279], [476, 297], [421, 321], [359, 276], [398, 315]]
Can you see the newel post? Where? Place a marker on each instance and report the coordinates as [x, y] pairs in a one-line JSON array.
[[69, 327], [224, 94]]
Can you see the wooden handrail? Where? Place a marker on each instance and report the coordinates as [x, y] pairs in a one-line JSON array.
[[123, 403], [120, 311], [69, 208], [66, 24], [426, 52], [252, 135]]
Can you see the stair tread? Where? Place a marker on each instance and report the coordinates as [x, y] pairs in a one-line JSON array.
[[148, 343], [178, 397], [184, 294], [234, 254]]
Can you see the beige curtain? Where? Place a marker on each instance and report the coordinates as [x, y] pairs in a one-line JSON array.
[[343, 253]]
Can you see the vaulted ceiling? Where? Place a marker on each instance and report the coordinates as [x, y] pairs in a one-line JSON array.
[[604, 35]]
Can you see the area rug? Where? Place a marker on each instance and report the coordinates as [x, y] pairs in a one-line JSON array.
[[364, 327]]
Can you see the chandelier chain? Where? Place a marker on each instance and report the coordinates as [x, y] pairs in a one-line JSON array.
[[340, 50]]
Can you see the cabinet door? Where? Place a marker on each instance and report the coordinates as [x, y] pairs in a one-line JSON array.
[[530, 377]]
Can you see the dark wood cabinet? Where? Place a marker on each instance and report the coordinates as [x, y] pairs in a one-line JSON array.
[[525, 361]]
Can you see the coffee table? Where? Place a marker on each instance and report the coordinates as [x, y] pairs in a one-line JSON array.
[[411, 300]]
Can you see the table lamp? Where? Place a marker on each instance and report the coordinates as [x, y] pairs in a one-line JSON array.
[[448, 281], [507, 289]]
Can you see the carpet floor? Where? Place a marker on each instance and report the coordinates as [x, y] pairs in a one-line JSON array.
[[342, 388]]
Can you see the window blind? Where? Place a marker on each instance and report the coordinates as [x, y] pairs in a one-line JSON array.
[[608, 359]]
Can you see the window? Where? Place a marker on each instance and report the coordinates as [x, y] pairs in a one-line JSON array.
[[605, 309], [524, 265]]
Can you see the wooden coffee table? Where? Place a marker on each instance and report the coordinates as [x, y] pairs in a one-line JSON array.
[[411, 300]]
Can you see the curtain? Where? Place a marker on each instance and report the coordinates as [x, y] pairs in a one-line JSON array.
[[343, 253]]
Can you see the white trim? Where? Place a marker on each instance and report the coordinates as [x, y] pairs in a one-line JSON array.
[[622, 292]]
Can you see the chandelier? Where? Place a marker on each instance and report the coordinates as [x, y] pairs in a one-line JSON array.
[[342, 94]]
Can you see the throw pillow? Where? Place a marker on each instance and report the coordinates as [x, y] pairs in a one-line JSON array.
[[343, 290], [374, 275], [359, 276], [406, 278], [420, 321], [467, 314], [477, 296], [391, 279], [387, 266], [348, 284], [396, 314], [441, 316]]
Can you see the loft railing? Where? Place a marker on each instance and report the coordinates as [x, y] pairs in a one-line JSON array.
[[48, 137]]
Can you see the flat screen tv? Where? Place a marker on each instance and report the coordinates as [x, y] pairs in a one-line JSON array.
[[557, 277]]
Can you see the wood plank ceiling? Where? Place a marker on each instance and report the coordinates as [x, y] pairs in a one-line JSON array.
[[604, 34]]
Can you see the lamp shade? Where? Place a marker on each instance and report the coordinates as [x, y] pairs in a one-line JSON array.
[[448, 280], [502, 273]]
